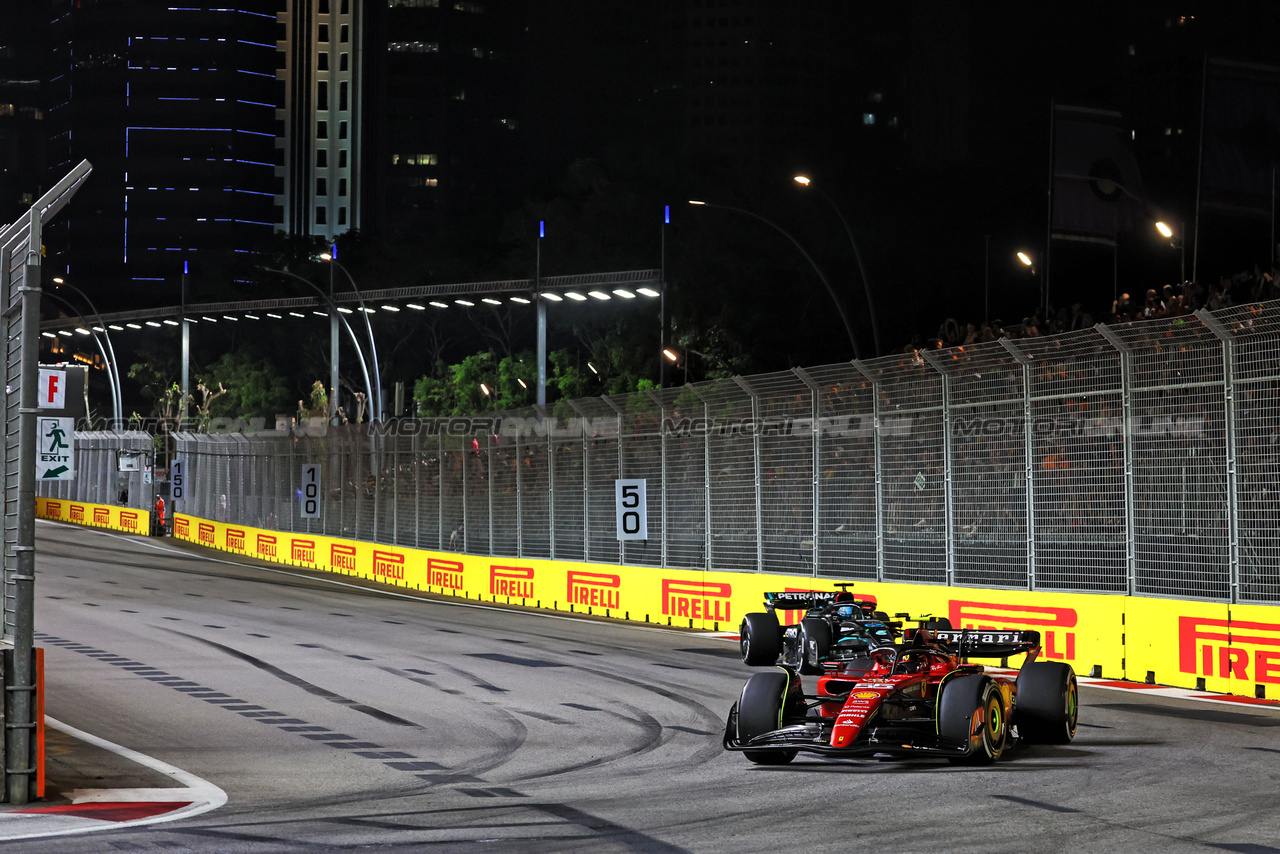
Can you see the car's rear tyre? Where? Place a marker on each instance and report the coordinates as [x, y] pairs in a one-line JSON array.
[[760, 639], [971, 711], [940, 624], [1048, 703], [760, 710], [815, 643]]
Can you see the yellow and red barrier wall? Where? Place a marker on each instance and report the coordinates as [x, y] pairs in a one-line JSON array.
[[131, 520], [1223, 648]]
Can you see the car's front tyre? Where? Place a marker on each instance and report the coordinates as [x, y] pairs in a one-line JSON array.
[[760, 710]]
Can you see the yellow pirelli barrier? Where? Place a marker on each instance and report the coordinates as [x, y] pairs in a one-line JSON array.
[[127, 519], [1233, 649]]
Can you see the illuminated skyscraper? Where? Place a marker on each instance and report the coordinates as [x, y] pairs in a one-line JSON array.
[[323, 117], [175, 107]]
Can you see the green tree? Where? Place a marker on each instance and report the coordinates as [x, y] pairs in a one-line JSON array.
[[254, 387]]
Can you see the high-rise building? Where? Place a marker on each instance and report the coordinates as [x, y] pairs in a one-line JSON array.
[[22, 127], [445, 132], [175, 107], [323, 117]]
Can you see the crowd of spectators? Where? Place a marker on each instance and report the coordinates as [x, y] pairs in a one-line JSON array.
[[1253, 285]]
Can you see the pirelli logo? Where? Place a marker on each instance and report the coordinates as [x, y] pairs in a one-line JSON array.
[[53, 508], [1054, 624], [444, 573], [511, 581], [594, 589], [1231, 649], [303, 551], [182, 527], [697, 600], [235, 539], [204, 534], [342, 557], [77, 513], [102, 516], [129, 520], [388, 565], [267, 545]]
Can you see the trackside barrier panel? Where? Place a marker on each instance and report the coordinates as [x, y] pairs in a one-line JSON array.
[[126, 519], [1232, 648]]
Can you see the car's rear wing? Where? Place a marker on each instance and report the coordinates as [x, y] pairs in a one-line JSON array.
[[804, 600], [793, 601], [985, 643]]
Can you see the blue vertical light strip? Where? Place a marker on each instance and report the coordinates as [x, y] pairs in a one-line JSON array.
[[333, 251], [666, 216], [542, 228]]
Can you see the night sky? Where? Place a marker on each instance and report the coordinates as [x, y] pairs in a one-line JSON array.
[[619, 119]]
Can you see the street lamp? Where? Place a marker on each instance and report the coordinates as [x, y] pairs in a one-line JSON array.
[[1044, 294], [848, 328], [806, 181], [376, 400], [334, 313], [1178, 242], [113, 371], [678, 356]]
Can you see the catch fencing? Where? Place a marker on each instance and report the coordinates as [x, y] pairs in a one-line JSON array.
[[112, 467], [1139, 458]]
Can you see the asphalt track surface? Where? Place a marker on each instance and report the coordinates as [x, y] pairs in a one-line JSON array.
[[340, 718]]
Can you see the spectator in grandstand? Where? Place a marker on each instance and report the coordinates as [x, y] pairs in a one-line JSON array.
[[1122, 310], [1151, 307]]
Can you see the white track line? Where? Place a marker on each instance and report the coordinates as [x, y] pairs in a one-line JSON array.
[[203, 795]]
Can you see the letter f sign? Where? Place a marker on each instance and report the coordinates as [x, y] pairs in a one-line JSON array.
[[53, 389]]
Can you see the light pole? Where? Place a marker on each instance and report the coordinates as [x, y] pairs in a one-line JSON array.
[[1044, 295], [806, 181], [1178, 242], [679, 356], [848, 328], [106, 358], [333, 312], [542, 317], [113, 372], [375, 401]]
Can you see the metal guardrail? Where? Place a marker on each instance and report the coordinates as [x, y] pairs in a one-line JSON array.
[[1139, 458]]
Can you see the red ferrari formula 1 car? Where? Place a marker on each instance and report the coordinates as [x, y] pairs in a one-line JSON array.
[[877, 696]]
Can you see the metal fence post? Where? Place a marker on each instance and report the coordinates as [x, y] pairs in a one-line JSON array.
[[948, 498], [488, 440], [622, 472], [706, 478], [755, 469], [519, 495], [879, 464], [1229, 425], [817, 461], [1126, 416], [550, 423], [1029, 468], [440, 492], [586, 484], [662, 462]]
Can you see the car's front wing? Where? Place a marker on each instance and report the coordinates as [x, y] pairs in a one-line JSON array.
[[813, 736]]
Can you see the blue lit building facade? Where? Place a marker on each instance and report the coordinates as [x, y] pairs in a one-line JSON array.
[[176, 108]]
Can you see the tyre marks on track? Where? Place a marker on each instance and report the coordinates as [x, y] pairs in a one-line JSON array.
[[396, 760]]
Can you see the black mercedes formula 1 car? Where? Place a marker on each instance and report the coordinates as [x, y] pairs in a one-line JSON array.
[[884, 691]]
